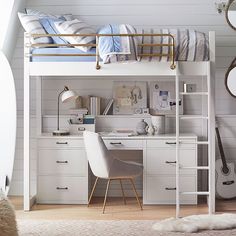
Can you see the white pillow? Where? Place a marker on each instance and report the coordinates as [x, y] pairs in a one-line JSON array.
[[77, 27], [32, 25], [43, 14]]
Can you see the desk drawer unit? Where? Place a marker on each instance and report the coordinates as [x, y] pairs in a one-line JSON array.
[[62, 190], [62, 162], [60, 143], [161, 190], [62, 171], [117, 144], [159, 171], [162, 161]]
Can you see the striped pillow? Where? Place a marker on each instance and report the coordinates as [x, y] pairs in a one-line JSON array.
[[43, 14], [32, 25], [77, 27]]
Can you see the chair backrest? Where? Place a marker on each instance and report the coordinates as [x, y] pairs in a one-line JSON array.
[[99, 157]]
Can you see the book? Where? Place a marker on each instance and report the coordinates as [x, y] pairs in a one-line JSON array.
[[108, 107]]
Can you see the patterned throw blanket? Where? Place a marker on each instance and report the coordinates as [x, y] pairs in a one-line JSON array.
[[116, 48], [190, 45]]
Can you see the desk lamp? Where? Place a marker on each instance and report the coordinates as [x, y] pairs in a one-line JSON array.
[[66, 95]]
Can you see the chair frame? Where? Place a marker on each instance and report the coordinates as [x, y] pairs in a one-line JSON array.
[[123, 194]]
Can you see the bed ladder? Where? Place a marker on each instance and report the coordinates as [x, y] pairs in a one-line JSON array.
[[210, 126]]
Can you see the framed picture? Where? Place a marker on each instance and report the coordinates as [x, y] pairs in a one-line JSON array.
[[162, 98], [129, 97]]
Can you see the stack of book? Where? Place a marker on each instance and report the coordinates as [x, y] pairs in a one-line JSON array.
[[95, 106]]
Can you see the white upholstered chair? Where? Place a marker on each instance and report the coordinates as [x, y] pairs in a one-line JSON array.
[[104, 165]]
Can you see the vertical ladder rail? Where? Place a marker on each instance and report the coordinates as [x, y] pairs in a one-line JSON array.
[[209, 136], [177, 141]]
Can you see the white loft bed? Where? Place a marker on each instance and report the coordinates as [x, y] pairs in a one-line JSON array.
[[83, 69]]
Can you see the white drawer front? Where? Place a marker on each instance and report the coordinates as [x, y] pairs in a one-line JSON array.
[[161, 161], [60, 143], [63, 162], [170, 143], [124, 144], [62, 190], [160, 190]]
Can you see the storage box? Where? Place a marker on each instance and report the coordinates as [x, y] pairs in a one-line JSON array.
[[77, 129]]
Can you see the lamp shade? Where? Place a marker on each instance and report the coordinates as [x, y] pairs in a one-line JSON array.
[[68, 95]]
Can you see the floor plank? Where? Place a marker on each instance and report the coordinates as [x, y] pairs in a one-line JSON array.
[[115, 210]]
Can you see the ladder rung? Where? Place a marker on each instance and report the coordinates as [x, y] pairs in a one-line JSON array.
[[187, 117], [195, 167], [194, 93], [195, 193], [198, 142]]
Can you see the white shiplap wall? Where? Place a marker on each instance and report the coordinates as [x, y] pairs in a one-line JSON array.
[[197, 14]]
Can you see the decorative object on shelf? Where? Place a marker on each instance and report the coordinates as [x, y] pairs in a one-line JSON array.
[[95, 106], [158, 123], [141, 127], [190, 88], [66, 95], [230, 79], [129, 97], [108, 107], [150, 130], [230, 14], [162, 98]]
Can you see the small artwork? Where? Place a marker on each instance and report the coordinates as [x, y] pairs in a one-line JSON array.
[[162, 98], [129, 97]]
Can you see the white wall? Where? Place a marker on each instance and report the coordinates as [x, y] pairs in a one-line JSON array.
[[197, 14]]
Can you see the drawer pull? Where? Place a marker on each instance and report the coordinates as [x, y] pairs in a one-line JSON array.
[[171, 143], [170, 189], [81, 129], [170, 162], [62, 162], [115, 143], [62, 143], [59, 188]]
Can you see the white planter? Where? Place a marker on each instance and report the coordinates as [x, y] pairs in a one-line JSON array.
[[158, 123]]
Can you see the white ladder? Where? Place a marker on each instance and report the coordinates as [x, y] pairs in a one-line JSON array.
[[210, 125]]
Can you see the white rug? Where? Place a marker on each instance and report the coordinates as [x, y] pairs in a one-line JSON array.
[[100, 228], [195, 223]]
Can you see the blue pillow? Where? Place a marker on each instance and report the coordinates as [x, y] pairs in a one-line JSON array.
[[49, 26]]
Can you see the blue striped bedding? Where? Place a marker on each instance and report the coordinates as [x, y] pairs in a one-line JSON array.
[[62, 58]]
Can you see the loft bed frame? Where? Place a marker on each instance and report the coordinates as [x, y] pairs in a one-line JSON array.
[[147, 69]]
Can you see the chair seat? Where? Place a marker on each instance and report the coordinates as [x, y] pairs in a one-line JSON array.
[[124, 170]]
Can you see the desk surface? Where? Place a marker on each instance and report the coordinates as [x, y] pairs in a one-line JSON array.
[[119, 136]]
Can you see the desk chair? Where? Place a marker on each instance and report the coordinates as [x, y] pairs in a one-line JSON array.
[[106, 166]]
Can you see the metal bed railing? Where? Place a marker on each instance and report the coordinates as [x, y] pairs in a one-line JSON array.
[[170, 54]]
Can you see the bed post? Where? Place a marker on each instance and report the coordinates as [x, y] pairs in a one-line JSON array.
[[211, 128], [26, 123]]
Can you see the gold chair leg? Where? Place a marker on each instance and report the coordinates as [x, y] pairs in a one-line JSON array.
[[94, 186], [123, 193], [105, 198], [136, 194]]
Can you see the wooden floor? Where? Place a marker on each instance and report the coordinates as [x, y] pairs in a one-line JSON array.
[[115, 210]]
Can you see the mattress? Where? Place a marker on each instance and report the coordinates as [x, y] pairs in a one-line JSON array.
[[62, 58]]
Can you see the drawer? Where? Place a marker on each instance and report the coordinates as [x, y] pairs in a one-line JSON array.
[[124, 144], [160, 190], [62, 162], [170, 143], [62, 190], [160, 161], [60, 143]]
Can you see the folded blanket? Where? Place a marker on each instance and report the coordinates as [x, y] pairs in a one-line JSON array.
[[116, 48], [190, 45]]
